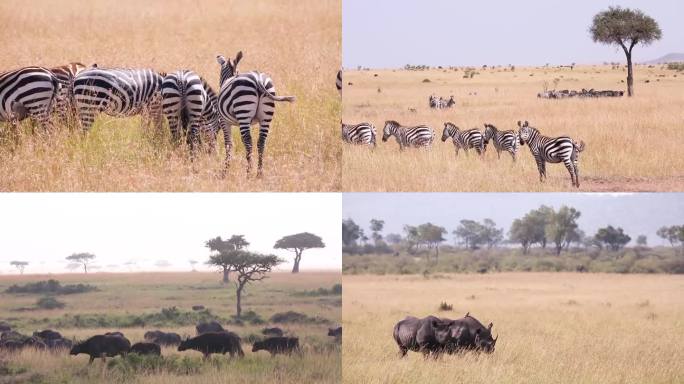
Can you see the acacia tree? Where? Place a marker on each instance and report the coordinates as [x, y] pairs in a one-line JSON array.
[[20, 265], [376, 227], [431, 235], [350, 232], [192, 265], [83, 259], [673, 234], [561, 230], [614, 238], [625, 27], [298, 243], [217, 244]]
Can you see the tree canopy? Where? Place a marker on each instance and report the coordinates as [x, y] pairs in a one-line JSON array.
[[20, 265], [84, 259], [613, 238], [473, 234], [298, 243]]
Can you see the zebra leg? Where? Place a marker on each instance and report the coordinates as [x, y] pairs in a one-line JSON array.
[[193, 138], [247, 142], [173, 127], [261, 145], [228, 145], [541, 167], [571, 169]]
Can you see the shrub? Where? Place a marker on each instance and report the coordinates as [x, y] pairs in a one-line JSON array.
[[443, 306], [51, 287], [335, 290], [249, 317], [49, 303], [296, 317]]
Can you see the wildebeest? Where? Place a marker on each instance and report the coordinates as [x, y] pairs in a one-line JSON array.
[[214, 342], [211, 326], [102, 346], [432, 335], [335, 332], [272, 331], [163, 338], [276, 345], [146, 349]]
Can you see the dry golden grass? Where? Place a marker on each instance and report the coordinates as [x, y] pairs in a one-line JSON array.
[[137, 293], [296, 42], [632, 144], [552, 327]]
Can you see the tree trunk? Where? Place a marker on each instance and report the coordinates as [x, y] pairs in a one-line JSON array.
[[559, 247], [436, 253], [239, 301], [630, 78], [226, 275], [298, 257], [85, 268]]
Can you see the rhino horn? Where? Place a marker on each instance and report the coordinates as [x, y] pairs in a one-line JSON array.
[[467, 314], [497, 337], [489, 327]]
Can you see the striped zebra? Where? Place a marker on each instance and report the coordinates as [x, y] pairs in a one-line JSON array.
[[189, 103], [552, 150], [363, 133], [338, 82], [470, 138], [417, 136], [117, 92], [247, 98], [28, 92], [66, 74], [506, 141]]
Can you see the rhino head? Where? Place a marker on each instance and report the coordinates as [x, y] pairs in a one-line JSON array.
[[484, 340]]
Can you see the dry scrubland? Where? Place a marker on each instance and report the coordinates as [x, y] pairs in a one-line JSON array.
[[632, 144], [122, 294], [553, 328], [297, 43]]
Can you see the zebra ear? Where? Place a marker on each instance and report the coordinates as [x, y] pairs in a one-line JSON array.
[[519, 124], [238, 57], [220, 59], [526, 123]]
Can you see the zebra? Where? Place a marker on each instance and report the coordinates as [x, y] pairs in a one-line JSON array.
[[247, 98], [28, 92], [503, 140], [470, 138], [434, 102], [66, 74], [553, 150], [363, 133], [189, 100], [117, 92], [338, 82], [417, 136]]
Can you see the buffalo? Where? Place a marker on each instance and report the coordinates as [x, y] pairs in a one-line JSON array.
[[5, 327], [102, 346], [211, 326], [48, 334], [214, 342], [276, 345], [116, 333], [335, 332], [432, 335], [146, 349], [272, 331], [163, 338]]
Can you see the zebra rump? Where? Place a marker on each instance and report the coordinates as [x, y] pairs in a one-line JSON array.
[[362, 133], [28, 92]]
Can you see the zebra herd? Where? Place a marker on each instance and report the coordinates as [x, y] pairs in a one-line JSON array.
[[191, 106], [544, 149], [441, 103]]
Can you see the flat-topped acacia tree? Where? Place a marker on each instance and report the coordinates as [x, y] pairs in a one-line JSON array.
[[20, 265], [298, 243], [84, 259], [221, 247], [625, 27]]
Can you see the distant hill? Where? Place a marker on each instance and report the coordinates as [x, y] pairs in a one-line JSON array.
[[669, 58]]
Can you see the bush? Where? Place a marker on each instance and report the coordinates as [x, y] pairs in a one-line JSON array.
[[335, 290], [249, 317], [443, 306], [49, 303], [51, 287], [296, 317]]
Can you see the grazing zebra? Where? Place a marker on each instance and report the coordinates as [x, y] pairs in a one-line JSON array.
[[434, 102], [418, 136], [503, 140], [471, 138], [117, 92], [363, 133], [247, 98], [189, 100], [553, 150], [66, 74], [338, 82], [28, 92]]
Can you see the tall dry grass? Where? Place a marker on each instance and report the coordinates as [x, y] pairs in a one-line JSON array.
[[296, 42], [632, 144], [552, 327]]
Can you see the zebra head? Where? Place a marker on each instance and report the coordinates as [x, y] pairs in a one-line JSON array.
[[488, 133], [450, 130], [526, 133], [228, 67], [391, 128]]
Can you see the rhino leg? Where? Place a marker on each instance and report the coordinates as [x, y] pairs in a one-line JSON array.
[[402, 351], [92, 358]]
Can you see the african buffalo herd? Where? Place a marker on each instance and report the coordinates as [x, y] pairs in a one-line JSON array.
[[211, 338]]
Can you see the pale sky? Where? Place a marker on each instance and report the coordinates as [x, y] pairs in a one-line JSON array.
[[146, 228], [637, 213], [391, 33]]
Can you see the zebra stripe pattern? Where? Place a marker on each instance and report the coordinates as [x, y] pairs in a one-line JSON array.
[[552, 150], [471, 138], [441, 103], [66, 74], [363, 133], [338, 82], [28, 92], [418, 136], [117, 92], [245, 99], [506, 141]]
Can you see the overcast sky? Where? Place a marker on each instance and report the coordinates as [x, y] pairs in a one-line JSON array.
[[390, 33], [146, 228], [637, 214]]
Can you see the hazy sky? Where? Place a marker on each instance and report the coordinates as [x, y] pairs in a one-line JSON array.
[[637, 214], [45, 228], [390, 33]]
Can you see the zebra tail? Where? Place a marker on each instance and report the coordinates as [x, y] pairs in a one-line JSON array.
[[580, 146], [274, 97]]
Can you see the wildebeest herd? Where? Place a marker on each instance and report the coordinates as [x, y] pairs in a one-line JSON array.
[[211, 338], [562, 149], [433, 336], [191, 106], [565, 93]]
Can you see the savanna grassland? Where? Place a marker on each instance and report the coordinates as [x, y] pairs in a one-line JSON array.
[[632, 144], [127, 298], [296, 42], [552, 327]]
